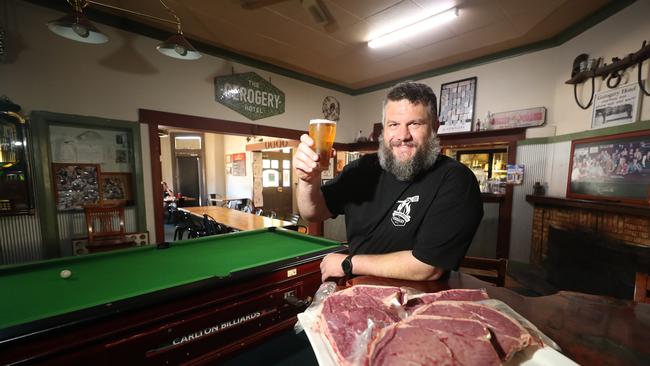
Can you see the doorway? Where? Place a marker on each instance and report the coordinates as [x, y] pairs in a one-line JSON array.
[[186, 159], [156, 119], [276, 182], [189, 179]]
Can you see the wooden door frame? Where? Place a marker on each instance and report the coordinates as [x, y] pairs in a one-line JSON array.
[[204, 124]]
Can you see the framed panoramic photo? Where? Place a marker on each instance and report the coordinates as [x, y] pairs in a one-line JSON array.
[[611, 168], [75, 185], [456, 111]]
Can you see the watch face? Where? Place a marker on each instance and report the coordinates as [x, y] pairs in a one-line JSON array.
[[331, 108], [347, 265]]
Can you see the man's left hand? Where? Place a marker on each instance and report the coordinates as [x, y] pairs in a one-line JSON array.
[[331, 266]]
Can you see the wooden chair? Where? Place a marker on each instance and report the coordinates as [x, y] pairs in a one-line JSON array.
[[641, 288], [105, 226], [294, 219], [486, 269]]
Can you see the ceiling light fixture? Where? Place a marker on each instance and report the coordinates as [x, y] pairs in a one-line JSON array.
[[78, 28], [415, 28]]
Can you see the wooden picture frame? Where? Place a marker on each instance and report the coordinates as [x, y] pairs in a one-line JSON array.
[[75, 185], [457, 101], [611, 168], [116, 188]]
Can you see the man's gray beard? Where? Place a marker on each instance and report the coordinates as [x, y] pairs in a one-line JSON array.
[[406, 171]]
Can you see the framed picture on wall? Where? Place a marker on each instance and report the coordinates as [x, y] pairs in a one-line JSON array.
[[456, 111], [116, 188], [614, 107], [613, 168], [75, 185]]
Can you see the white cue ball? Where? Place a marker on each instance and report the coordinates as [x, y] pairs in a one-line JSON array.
[[66, 273]]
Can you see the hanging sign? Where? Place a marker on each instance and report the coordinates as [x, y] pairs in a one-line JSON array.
[[530, 117], [249, 95]]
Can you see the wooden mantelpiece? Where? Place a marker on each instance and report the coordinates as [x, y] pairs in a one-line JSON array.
[[603, 206], [622, 222]]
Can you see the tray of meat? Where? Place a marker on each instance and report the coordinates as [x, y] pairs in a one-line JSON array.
[[384, 325]]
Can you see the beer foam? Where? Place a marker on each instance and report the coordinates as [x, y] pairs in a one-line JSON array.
[[312, 121]]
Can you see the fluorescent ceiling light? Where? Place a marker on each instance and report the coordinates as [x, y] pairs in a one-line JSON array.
[[188, 137], [415, 28]]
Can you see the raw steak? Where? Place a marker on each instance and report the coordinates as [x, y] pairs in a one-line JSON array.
[[427, 340], [402, 344], [350, 318], [510, 336], [414, 301], [468, 340]]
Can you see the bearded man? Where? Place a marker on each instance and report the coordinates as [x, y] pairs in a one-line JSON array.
[[410, 212]]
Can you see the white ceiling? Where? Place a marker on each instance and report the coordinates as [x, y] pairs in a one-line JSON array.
[[282, 32]]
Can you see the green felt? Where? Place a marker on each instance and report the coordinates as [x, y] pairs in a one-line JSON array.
[[36, 291]]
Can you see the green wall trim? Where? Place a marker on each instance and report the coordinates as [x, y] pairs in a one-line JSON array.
[[39, 122], [637, 126], [131, 26]]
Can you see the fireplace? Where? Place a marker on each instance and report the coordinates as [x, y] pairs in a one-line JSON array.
[[590, 246], [591, 263]]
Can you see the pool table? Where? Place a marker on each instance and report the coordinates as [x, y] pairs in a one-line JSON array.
[[192, 301]]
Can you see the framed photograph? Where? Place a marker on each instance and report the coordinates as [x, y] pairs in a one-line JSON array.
[[515, 174], [329, 173], [239, 164], [456, 111], [75, 185], [614, 107], [116, 188], [612, 168]]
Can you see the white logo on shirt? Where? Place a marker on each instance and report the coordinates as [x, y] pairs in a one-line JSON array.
[[401, 215]]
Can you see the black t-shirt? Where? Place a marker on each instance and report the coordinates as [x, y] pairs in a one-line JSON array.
[[435, 216]]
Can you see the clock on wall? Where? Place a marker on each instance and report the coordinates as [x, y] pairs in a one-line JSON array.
[[331, 108]]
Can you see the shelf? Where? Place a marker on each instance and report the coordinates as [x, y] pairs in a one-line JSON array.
[[605, 70], [604, 206]]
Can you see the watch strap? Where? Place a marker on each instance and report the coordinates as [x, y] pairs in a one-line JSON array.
[[347, 265]]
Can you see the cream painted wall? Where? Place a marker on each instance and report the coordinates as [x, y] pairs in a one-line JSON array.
[[214, 164], [115, 79], [238, 186], [166, 162], [537, 79]]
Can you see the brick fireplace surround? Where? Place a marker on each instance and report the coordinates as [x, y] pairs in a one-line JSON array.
[[621, 222]]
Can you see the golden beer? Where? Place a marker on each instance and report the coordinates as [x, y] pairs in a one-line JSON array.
[[323, 131]]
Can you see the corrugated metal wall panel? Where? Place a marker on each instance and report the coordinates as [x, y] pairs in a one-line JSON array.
[[484, 243], [534, 158], [20, 239], [20, 236]]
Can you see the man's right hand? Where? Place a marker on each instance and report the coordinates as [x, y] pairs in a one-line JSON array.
[[305, 161]]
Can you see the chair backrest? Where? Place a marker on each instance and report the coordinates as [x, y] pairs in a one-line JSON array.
[[104, 222], [210, 225], [486, 269], [293, 218], [641, 288]]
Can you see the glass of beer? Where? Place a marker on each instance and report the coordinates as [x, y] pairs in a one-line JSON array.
[[323, 131]]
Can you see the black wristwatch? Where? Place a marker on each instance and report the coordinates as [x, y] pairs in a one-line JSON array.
[[347, 266]]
